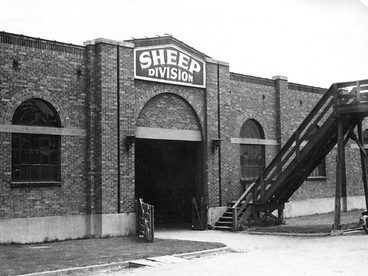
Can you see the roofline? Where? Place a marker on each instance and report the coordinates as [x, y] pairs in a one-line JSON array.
[[42, 39], [168, 36]]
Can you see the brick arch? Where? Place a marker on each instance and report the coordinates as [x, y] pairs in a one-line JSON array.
[[26, 94], [170, 111], [254, 129], [260, 121]]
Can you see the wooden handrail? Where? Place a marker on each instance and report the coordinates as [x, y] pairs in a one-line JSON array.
[[351, 83], [295, 141], [247, 191], [306, 121]]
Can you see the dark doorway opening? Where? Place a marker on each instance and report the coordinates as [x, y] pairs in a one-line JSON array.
[[166, 176]]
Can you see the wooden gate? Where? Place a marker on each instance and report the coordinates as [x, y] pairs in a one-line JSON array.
[[145, 220]]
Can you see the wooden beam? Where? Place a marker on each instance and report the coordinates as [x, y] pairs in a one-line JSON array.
[[363, 164], [359, 143], [340, 145]]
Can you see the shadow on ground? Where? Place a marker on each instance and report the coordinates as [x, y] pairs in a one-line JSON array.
[[321, 223]]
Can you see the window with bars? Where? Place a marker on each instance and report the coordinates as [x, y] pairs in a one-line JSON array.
[[35, 157], [252, 157]]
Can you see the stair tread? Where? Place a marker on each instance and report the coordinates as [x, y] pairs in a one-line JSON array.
[[224, 222], [222, 227], [225, 218]]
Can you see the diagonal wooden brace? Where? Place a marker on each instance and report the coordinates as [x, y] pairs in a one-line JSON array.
[[355, 138]]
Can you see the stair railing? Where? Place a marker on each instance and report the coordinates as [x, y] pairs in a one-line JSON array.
[[256, 192], [295, 142]]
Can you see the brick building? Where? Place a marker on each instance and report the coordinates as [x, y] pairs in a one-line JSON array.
[[85, 130]]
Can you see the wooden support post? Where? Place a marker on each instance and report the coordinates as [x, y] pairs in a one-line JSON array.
[[254, 194], [344, 202], [152, 223], [358, 92], [340, 145], [255, 200], [235, 218], [280, 214], [363, 164]]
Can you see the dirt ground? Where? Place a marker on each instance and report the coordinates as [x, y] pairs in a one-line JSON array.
[[268, 255]]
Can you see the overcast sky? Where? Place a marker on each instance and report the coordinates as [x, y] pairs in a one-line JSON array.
[[315, 42]]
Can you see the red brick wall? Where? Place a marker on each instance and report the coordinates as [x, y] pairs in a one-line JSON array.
[[90, 101], [50, 75]]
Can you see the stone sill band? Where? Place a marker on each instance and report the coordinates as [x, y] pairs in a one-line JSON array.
[[34, 184], [44, 130]]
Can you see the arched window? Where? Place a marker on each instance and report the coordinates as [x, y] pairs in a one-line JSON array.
[[35, 157], [252, 156]]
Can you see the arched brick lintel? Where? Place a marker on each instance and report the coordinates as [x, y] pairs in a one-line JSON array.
[[161, 104], [26, 94]]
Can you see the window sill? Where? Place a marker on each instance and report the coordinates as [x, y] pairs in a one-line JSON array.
[[26, 184], [316, 178]]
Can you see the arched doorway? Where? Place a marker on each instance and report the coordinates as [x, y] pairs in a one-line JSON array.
[[252, 156], [168, 158]]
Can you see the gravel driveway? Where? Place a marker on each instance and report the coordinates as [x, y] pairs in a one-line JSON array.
[[268, 255]]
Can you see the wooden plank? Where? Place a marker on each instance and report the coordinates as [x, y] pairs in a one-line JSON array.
[[351, 83], [358, 108]]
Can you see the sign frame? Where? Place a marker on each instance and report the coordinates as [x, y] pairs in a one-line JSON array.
[[169, 81]]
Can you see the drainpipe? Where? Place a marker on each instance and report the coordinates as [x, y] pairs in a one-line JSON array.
[[219, 132], [118, 121]]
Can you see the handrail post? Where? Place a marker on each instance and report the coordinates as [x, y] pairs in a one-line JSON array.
[[335, 93], [235, 218], [358, 93], [254, 193]]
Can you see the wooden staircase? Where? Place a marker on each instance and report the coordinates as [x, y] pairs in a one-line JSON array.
[[346, 103]]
